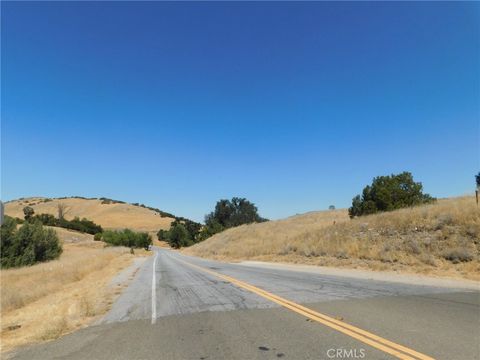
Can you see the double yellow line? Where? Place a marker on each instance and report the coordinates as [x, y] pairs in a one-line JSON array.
[[366, 337]]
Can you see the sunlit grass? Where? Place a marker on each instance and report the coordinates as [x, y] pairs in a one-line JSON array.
[[442, 238]]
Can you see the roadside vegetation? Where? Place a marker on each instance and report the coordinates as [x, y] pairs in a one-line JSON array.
[[104, 212], [182, 233], [227, 214], [127, 238], [393, 225], [27, 245], [387, 193], [46, 300], [83, 225], [441, 238]]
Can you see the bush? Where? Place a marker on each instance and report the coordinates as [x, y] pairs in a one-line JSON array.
[[28, 212], [98, 236], [30, 244], [458, 255], [162, 235], [83, 225], [183, 232], [127, 238], [45, 219], [111, 201], [389, 193], [213, 227]]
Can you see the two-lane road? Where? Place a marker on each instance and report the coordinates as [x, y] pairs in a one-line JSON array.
[[181, 307]]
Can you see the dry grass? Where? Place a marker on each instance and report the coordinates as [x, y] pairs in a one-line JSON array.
[[47, 300], [71, 236], [109, 216], [441, 239]]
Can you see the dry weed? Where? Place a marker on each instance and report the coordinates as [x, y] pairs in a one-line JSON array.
[[441, 238], [47, 300]]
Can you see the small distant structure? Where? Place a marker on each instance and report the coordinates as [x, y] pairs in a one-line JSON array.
[[1, 212], [331, 207]]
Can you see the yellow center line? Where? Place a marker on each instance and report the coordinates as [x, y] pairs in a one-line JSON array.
[[366, 337]]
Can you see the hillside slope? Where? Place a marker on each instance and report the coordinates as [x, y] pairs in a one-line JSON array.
[[107, 213], [442, 239]]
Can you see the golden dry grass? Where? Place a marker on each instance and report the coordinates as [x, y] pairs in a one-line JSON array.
[[70, 236], [109, 216], [50, 299], [441, 239]]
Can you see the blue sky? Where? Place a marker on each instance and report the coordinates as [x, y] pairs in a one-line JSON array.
[[294, 106]]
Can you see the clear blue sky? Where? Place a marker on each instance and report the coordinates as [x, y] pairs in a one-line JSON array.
[[294, 106]]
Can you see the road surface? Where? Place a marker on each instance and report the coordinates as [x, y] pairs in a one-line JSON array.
[[181, 307]]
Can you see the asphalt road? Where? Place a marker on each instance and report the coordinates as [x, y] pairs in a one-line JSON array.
[[181, 307]]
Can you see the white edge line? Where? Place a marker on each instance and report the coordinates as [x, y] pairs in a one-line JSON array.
[[154, 293]]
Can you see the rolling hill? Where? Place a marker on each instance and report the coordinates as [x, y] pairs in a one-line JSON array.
[[442, 239], [110, 214]]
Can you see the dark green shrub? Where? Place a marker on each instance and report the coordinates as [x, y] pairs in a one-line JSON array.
[[211, 228], [45, 219], [162, 235], [83, 225], [182, 233], [97, 236], [30, 244], [387, 193], [127, 238], [28, 212]]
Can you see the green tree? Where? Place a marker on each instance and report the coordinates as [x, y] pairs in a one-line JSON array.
[[229, 213], [178, 236], [213, 227], [235, 212], [28, 212], [7, 233], [388, 193], [162, 235]]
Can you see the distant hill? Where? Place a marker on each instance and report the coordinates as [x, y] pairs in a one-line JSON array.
[[110, 214]]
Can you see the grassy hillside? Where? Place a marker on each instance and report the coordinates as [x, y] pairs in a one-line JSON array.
[[75, 290], [107, 213], [443, 239]]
